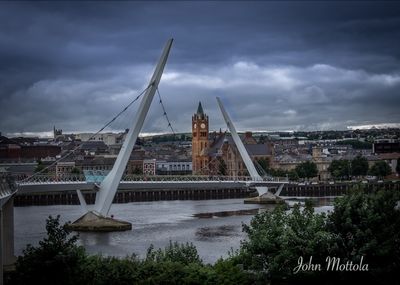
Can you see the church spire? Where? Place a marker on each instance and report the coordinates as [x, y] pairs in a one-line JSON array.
[[200, 109]]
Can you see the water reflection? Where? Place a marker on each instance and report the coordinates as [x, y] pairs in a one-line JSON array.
[[89, 239]]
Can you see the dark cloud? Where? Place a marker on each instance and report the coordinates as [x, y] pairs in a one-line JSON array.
[[298, 65]]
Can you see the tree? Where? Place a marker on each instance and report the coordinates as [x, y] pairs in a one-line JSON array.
[[307, 169], [263, 166], [292, 175], [277, 239], [221, 166], [356, 144], [340, 169], [174, 252], [380, 169], [368, 225], [359, 166], [264, 163], [137, 171], [277, 172], [40, 167], [75, 170], [57, 260]]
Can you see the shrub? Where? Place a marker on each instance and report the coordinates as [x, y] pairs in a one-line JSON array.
[[57, 260], [174, 252], [277, 239]]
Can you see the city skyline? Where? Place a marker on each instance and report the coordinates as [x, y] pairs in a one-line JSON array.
[[278, 66]]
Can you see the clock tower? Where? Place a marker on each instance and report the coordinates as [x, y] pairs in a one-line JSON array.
[[199, 141]]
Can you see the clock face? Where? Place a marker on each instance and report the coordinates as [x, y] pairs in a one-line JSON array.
[[202, 125], [195, 126]]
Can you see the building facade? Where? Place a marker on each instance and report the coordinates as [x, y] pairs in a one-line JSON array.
[[174, 167], [149, 167], [217, 154]]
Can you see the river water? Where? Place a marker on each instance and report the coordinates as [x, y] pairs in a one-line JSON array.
[[213, 226]]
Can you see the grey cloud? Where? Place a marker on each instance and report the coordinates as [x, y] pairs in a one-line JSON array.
[[277, 65]]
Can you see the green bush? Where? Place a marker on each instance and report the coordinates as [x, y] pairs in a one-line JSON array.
[[100, 270], [277, 239], [369, 225], [174, 252], [57, 260]]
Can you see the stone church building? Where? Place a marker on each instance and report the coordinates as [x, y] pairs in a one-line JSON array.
[[216, 153]]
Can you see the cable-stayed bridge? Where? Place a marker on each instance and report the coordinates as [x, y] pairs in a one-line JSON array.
[[109, 184], [107, 188]]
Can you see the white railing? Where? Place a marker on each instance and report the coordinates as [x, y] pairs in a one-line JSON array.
[[47, 179], [7, 187]]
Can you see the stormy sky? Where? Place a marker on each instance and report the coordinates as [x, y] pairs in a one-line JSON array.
[[276, 66]]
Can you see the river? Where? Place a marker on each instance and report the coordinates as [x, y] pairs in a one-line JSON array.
[[213, 226]]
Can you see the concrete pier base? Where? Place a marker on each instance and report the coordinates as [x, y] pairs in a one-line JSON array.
[[267, 198], [93, 222]]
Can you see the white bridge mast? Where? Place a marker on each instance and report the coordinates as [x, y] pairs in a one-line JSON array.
[[109, 186], [243, 153]]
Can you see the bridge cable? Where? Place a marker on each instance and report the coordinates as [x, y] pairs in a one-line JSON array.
[[100, 130], [165, 112], [261, 171]]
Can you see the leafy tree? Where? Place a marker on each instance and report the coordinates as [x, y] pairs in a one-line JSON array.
[[57, 260], [100, 270], [293, 176], [356, 144], [137, 171], [368, 225], [278, 172], [40, 167], [340, 169], [359, 166], [75, 170], [277, 239], [380, 169], [307, 169], [228, 272], [174, 252], [221, 166]]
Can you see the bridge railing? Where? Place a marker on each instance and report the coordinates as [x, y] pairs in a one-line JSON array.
[[47, 179], [7, 185], [52, 179], [166, 178]]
